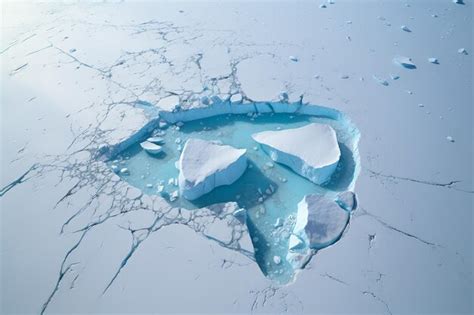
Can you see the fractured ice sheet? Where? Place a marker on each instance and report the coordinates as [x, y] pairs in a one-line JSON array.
[[268, 193]]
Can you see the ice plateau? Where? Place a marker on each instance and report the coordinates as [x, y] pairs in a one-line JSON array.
[[204, 165], [311, 151]]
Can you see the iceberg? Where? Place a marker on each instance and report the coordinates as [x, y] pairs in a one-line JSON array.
[[205, 165], [320, 221], [311, 151]]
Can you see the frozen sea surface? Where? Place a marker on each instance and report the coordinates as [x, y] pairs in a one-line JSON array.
[[81, 80]]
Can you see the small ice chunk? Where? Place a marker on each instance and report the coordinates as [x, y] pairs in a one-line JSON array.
[[311, 151], [151, 147], [345, 76], [380, 80], [241, 214], [277, 260], [115, 168], [178, 140], [149, 185], [293, 58], [458, 1], [433, 60], [160, 188], [347, 200], [124, 171], [278, 223], [405, 28], [204, 165], [322, 6], [405, 62], [269, 164], [295, 243], [156, 140], [72, 50], [174, 195], [394, 77], [162, 124], [462, 51], [450, 139]]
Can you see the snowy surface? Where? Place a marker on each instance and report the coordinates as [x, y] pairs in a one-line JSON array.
[[311, 151], [205, 165], [77, 77]]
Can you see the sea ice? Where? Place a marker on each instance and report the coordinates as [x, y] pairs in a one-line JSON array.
[[320, 221], [311, 151], [204, 165], [404, 62], [450, 139], [293, 58], [433, 60]]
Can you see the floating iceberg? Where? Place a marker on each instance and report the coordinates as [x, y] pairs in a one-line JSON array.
[[311, 151], [204, 165], [320, 221]]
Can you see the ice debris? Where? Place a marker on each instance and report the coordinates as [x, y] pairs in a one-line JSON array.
[[404, 62], [151, 147], [433, 60], [450, 139], [293, 58], [320, 221], [462, 51], [312, 151], [405, 28], [204, 165]]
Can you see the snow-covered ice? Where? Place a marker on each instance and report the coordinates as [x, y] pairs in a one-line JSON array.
[[205, 165], [311, 151]]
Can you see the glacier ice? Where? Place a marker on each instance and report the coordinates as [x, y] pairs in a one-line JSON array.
[[311, 151], [205, 165]]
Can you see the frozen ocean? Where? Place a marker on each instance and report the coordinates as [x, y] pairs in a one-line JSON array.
[[236, 157]]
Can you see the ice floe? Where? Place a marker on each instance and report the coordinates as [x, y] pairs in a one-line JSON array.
[[204, 165], [311, 151]]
